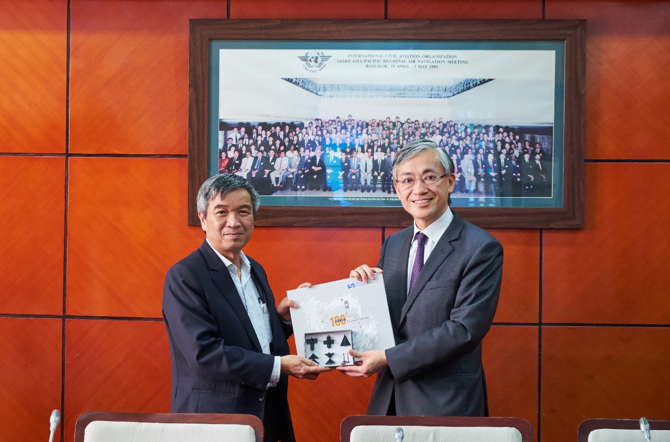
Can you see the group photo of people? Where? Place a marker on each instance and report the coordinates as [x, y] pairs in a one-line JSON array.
[[354, 157]]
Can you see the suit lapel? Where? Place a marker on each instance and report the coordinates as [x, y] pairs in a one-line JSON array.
[[224, 282], [398, 266], [440, 253]]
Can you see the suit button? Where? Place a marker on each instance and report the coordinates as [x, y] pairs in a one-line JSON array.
[[261, 397]]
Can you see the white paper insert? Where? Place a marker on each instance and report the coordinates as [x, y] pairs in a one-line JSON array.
[[341, 305]]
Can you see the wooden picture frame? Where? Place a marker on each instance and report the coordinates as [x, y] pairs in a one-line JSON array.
[[566, 210]]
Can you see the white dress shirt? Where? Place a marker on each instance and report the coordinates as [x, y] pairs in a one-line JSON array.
[[434, 232], [257, 311]]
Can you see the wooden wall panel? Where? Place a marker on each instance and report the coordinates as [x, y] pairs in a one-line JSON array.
[[127, 226], [520, 291], [33, 50], [32, 213], [30, 377], [627, 88], [293, 255], [615, 269], [306, 9], [463, 9], [115, 366], [318, 407], [129, 69], [590, 372], [511, 366], [127, 217]]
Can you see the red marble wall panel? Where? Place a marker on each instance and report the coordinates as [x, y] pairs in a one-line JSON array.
[[32, 214], [33, 50], [306, 9], [292, 256], [627, 88], [127, 219], [115, 366], [318, 407], [127, 226], [590, 372], [520, 291], [614, 270], [511, 366], [460, 9], [30, 376], [129, 74]]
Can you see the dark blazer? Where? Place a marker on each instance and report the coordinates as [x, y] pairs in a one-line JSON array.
[[234, 164], [217, 362], [505, 177], [436, 368], [379, 168]]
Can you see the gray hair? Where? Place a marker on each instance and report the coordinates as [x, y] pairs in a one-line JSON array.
[[222, 184], [416, 147]]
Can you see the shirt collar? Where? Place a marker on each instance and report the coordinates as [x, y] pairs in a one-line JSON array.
[[435, 231], [246, 265]]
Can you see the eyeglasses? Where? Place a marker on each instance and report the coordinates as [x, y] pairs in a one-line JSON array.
[[430, 180]]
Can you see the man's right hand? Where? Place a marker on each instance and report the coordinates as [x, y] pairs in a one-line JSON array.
[[301, 368], [364, 273]]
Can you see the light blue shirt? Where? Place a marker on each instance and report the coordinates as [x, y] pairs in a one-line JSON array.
[[257, 311]]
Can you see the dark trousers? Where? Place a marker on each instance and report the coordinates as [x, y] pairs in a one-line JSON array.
[[275, 419]]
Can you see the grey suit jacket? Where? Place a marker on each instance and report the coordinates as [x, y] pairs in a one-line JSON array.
[[218, 365], [435, 369]]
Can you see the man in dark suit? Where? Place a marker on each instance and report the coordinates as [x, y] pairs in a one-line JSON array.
[[316, 172], [258, 176], [541, 177], [303, 167], [442, 278], [378, 171], [227, 340], [234, 163], [506, 171], [480, 174], [346, 168], [491, 177], [528, 176]]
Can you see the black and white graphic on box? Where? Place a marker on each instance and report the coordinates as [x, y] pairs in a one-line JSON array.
[[329, 348]]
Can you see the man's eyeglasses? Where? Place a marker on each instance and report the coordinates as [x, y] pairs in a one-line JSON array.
[[430, 180]]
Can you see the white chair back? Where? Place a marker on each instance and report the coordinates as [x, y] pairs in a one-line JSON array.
[[384, 433], [621, 430], [621, 435], [98, 426], [435, 429]]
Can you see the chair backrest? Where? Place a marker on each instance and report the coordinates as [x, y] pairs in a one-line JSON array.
[[103, 426], [423, 428], [621, 430]]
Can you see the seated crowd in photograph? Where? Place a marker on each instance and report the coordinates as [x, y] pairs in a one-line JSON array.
[[356, 155]]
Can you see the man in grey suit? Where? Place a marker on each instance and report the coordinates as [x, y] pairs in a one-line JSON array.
[[442, 278]]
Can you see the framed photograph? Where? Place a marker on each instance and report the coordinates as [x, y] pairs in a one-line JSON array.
[[313, 112]]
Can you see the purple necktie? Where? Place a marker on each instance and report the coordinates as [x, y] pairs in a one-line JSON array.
[[418, 259]]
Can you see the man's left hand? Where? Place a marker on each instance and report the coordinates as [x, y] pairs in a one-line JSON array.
[[284, 309], [370, 363]]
